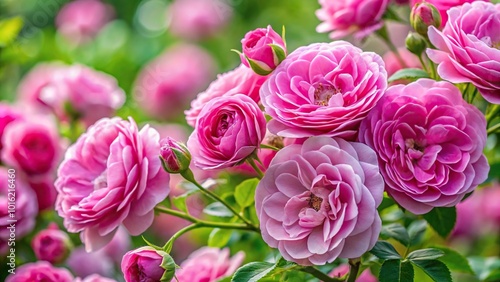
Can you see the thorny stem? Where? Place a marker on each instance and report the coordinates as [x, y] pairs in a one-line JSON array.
[[354, 269], [320, 275]]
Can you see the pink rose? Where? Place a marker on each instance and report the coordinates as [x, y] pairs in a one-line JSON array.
[[468, 48], [429, 143], [40, 271], [443, 6], [111, 176], [174, 155], [31, 146], [257, 50], [51, 244], [208, 265], [143, 264], [45, 191], [198, 19], [490, 206], [227, 131], [241, 80], [344, 17], [468, 224], [318, 201], [81, 20], [94, 278], [323, 89], [26, 208], [164, 88], [343, 269], [83, 264], [8, 114]]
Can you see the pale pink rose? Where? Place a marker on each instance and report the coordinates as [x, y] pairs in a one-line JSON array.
[[45, 191], [165, 86], [429, 143], [444, 5], [241, 80], [468, 224], [393, 64], [345, 17], [111, 176], [143, 264], [94, 278], [468, 48], [256, 48], [8, 114], [83, 264], [343, 269], [51, 244], [32, 147], [323, 89], [26, 208], [118, 246], [81, 20], [318, 201], [198, 19], [227, 131], [40, 271], [490, 206], [208, 265]]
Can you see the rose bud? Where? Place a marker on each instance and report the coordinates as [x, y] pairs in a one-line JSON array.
[[51, 244], [415, 43], [174, 156], [147, 264], [263, 50], [424, 15]]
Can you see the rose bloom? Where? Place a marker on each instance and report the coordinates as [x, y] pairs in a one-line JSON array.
[[40, 271], [26, 208], [227, 131], [164, 88], [241, 80], [208, 265], [255, 47], [31, 146], [323, 89], [468, 48], [318, 201], [84, 264], [81, 20], [344, 17], [94, 278], [429, 144], [51, 244], [111, 176], [443, 6], [198, 19], [45, 191], [343, 269], [143, 264], [8, 114]]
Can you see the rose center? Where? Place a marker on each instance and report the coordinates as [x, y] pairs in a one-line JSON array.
[[101, 181], [225, 121], [315, 202], [323, 94]]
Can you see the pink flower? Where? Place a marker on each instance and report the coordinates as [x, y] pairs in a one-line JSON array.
[[81, 20], [344, 17], [94, 278], [323, 89], [111, 176], [8, 114], [40, 271], [45, 191], [143, 264], [429, 143], [241, 80], [489, 205], [174, 155], [83, 264], [167, 84], [468, 224], [265, 155], [443, 6], [393, 64], [198, 19], [318, 201], [468, 48], [227, 131], [26, 208], [208, 265], [343, 269], [51, 244], [256, 47]]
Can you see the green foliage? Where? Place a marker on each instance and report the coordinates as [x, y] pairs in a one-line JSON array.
[[408, 74], [253, 272], [454, 260], [245, 192], [396, 231], [219, 237], [9, 29], [384, 250], [442, 220], [395, 270], [435, 269]]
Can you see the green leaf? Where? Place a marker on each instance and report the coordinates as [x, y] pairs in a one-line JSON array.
[[455, 261], [217, 209], [386, 203], [245, 192], [385, 250], [435, 269], [278, 52], [395, 270], [442, 220], [408, 74], [425, 254], [483, 267], [9, 29], [257, 68], [397, 232], [252, 272], [416, 231], [168, 264], [494, 276], [180, 202], [219, 237], [151, 244]]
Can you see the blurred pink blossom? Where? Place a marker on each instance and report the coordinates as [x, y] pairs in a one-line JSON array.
[[40, 271]]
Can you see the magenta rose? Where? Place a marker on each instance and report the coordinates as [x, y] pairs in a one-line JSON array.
[[208, 265], [318, 201], [227, 131], [31, 146], [174, 155], [323, 89], [143, 264], [429, 144], [241, 80], [45, 191], [94, 278], [40, 271], [344, 17], [343, 269], [111, 176], [468, 48], [443, 6], [84, 264], [51, 244], [8, 114]]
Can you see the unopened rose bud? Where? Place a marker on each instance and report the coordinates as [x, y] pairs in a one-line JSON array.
[[52, 244], [424, 15], [175, 156], [415, 43], [147, 264], [263, 50]]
